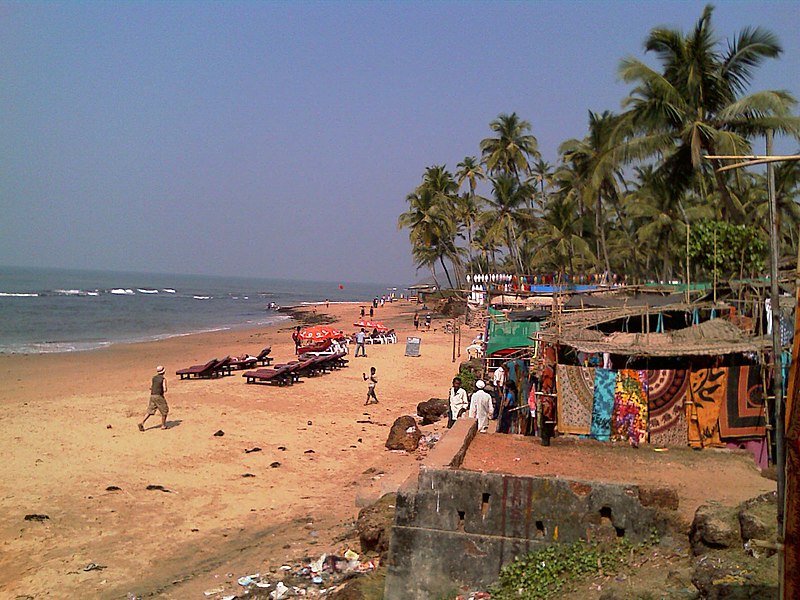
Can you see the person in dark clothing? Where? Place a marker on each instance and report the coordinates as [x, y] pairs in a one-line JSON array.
[[296, 338]]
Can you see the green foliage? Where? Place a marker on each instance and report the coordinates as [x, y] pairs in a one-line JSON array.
[[468, 379], [727, 250], [545, 573]]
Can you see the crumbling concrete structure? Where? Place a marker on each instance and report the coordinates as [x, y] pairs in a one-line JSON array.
[[456, 528]]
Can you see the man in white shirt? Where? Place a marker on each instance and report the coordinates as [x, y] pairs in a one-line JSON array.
[[481, 406], [459, 403], [499, 380]]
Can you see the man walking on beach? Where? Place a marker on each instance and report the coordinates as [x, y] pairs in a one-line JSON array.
[[481, 406], [361, 336], [459, 403], [373, 381], [296, 338], [158, 389], [416, 320]]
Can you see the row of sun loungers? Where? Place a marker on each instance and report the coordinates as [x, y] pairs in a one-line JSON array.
[[219, 368], [290, 373]]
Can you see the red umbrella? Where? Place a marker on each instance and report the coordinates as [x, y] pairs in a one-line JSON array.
[[320, 332], [371, 325]]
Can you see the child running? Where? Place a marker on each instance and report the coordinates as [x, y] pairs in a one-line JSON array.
[[373, 381]]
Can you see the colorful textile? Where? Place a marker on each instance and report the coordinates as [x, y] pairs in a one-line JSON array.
[[666, 394], [742, 413], [603, 404], [629, 418], [575, 398], [758, 448], [707, 391]]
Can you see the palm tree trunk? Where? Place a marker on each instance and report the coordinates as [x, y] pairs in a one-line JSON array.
[[446, 272]]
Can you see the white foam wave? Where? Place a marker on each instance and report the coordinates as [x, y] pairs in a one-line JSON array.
[[146, 291], [68, 292], [17, 295], [123, 292], [92, 293], [168, 290], [202, 297]]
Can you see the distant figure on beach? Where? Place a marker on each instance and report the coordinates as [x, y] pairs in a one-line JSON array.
[[158, 402], [371, 312], [361, 337], [374, 303], [373, 381], [296, 338], [481, 406], [362, 312], [428, 318], [416, 320], [327, 303], [459, 403]]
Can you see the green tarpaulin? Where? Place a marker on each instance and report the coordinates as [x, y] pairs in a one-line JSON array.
[[504, 334]]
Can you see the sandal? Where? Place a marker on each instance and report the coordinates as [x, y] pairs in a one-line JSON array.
[[141, 427]]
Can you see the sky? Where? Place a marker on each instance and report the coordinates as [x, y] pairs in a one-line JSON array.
[[280, 139]]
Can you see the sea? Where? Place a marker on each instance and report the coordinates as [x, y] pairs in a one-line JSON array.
[[55, 310]]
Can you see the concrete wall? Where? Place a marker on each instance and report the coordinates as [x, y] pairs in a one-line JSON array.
[[455, 528]]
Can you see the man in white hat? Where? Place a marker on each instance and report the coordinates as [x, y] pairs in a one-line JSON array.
[[481, 406], [158, 402]]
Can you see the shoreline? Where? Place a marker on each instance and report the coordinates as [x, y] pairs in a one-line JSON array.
[[71, 423]]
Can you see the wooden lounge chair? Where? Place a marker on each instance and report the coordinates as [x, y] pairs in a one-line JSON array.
[[281, 376], [223, 367], [247, 362], [263, 357], [201, 371]]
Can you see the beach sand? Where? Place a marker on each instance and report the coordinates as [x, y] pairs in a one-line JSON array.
[[69, 432]]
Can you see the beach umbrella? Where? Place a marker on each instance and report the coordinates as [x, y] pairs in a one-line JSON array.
[[318, 333], [371, 325]]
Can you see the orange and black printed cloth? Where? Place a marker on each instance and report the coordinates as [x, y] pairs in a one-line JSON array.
[[742, 413], [707, 391]]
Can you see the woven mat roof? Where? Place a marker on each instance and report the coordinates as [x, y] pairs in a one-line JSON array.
[[710, 338]]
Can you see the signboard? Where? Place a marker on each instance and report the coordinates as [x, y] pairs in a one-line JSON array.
[[412, 346]]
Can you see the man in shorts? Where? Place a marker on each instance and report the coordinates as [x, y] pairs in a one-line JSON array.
[[158, 402], [373, 381]]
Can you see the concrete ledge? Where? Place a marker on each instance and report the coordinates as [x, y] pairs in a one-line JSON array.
[[451, 449]]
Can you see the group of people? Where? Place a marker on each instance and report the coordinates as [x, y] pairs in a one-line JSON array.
[[482, 405], [428, 317]]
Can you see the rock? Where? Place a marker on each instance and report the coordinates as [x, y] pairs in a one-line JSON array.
[[374, 525], [752, 527], [712, 527], [219, 433], [404, 434], [432, 410]]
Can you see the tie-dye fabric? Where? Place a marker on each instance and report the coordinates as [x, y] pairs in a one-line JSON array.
[[603, 403], [630, 415]]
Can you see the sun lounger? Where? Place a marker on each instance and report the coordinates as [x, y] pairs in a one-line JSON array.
[[247, 362], [201, 371], [223, 367], [281, 376], [263, 357]]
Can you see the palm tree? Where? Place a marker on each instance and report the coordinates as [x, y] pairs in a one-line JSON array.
[[512, 149], [542, 177], [430, 219], [693, 105], [596, 163], [561, 236], [471, 171], [506, 215]]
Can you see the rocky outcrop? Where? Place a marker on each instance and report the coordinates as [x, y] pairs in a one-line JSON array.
[[374, 525], [432, 410]]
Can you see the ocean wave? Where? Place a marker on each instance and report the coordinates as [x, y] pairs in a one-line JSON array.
[[123, 292], [202, 297], [146, 291], [18, 295], [168, 290], [68, 292], [52, 347]]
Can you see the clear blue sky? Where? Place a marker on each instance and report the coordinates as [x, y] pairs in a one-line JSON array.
[[279, 139]]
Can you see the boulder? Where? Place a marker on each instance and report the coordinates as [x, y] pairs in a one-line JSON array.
[[404, 434], [752, 527], [432, 410], [713, 527], [374, 525]]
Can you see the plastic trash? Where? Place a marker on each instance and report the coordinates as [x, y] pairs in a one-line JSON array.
[[350, 555], [281, 591], [316, 566], [248, 579], [214, 591]]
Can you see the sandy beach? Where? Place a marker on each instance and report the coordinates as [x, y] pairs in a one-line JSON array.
[[69, 430]]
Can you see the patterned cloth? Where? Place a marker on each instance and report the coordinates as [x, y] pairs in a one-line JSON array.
[[575, 398], [707, 391], [603, 404], [742, 413], [629, 418], [666, 394]]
